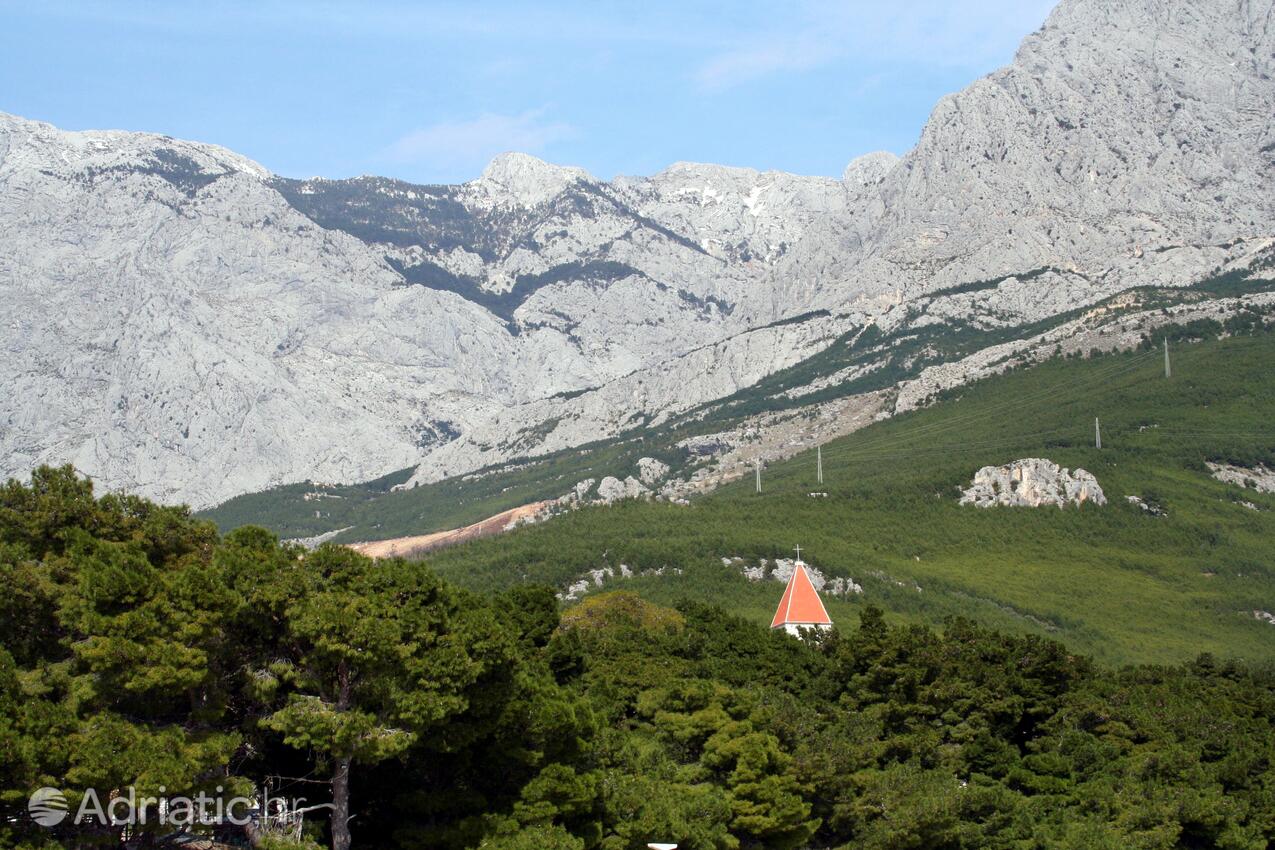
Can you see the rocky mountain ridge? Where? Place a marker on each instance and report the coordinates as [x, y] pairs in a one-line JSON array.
[[181, 323]]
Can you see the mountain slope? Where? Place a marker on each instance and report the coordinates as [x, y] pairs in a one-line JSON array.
[[174, 327], [861, 377], [180, 323], [1128, 142], [1118, 581]]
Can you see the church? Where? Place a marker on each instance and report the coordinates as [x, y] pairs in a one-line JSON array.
[[800, 607]]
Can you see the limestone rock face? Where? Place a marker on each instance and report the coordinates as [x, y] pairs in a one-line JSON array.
[[1125, 143], [782, 571], [180, 323], [1259, 478], [869, 169], [582, 488], [651, 471], [174, 327], [612, 489], [1031, 483], [529, 180]]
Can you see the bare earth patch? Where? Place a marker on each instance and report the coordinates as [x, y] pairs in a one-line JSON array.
[[405, 547]]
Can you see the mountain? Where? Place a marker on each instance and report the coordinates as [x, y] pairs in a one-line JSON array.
[[1173, 561], [1129, 142], [181, 323]]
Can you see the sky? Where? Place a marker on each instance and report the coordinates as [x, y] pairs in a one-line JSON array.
[[430, 91]]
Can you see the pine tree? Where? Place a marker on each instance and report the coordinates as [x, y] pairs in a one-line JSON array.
[[381, 656]]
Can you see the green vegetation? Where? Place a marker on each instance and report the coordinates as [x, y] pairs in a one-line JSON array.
[[139, 648], [373, 510], [1116, 581]]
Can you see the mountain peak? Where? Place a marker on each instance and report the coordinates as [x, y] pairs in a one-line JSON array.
[[869, 168], [682, 168], [530, 179], [27, 141]]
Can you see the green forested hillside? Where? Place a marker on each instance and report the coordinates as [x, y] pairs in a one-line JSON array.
[[1114, 581], [144, 657]]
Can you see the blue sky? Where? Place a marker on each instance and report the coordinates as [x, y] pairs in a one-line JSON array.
[[430, 91]]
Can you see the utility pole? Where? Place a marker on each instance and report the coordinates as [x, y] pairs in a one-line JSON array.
[[757, 469], [1168, 370], [819, 463], [1097, 434]]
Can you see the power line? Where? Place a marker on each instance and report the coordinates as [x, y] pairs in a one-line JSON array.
[[883, 447], [956, 447], [965, 447], [991, 411], [1259, 435], [1100, 375], [1006, 441]]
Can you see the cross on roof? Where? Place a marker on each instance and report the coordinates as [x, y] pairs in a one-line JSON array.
[[800, 604]]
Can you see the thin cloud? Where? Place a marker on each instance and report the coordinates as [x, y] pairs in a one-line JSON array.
[[466, 146], [822, 33], [798, 53]]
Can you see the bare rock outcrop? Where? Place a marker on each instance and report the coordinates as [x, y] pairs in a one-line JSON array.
[[781, 570], [612, 489], [182, 324], [597, 578], [1031, 483], [651, 471], [1147, 506], [1259, 477]]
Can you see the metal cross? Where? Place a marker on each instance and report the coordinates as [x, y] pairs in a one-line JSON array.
[[798, 553]]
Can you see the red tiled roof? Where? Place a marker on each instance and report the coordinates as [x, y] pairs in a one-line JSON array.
[[800, 604]]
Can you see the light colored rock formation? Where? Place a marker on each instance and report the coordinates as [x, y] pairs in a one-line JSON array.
[[612, 489], [1128, 142], [1139, 502], [594, 579], [1259, 478], [1032, 482], [869, 169], [176, 327], [528, 180], [781, 571], [179, 323], [1093, 331], [651, 471], [316, 540]]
